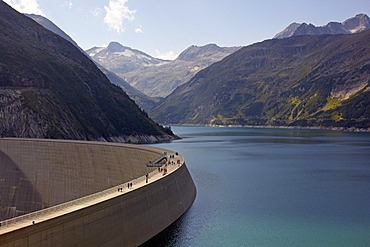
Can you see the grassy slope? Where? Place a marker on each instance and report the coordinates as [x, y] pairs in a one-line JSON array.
[[306, 80]]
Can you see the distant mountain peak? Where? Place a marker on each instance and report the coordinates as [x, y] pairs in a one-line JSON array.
[[194, 51], [289, 31], [122, 59], [115, 47], [359, 23]]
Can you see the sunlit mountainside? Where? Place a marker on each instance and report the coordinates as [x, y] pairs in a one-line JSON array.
[[313, 80]]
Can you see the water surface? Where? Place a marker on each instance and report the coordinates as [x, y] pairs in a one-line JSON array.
[[273, 187]]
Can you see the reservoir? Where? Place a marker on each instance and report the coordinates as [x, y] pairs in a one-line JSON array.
[[273, 187]]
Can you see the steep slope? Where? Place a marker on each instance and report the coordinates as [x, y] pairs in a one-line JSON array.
[[144, 101], [161, 80], [304, 80], [359, 23], [49, 89], [46, 23]]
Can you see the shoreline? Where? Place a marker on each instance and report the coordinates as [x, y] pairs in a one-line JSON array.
[[344, 129]]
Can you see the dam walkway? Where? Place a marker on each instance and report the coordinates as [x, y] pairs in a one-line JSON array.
[[174, 161]]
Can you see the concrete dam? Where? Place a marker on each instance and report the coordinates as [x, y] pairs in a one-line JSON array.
[[82, 193]]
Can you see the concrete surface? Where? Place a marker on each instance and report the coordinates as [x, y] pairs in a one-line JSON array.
[[40, 172]]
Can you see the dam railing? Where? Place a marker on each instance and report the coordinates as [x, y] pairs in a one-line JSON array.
[[85, 201]]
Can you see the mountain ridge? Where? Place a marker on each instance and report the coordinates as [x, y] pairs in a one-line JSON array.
[[161, 80], [359, 23]]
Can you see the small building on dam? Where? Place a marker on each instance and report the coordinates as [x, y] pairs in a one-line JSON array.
[[82, 193]]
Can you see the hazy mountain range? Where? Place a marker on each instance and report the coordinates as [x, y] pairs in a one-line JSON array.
[[359, 23], [313, 80], [50, 89], [152, 76]]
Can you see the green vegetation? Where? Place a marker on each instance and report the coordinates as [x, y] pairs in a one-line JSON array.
[[331, 104], [336, 116], [217, 120], [280, 82]]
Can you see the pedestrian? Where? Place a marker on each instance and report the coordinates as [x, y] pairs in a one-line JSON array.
[[131, 185], [128, 185]]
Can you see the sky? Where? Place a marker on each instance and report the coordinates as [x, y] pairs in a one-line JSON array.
[[164, 28]]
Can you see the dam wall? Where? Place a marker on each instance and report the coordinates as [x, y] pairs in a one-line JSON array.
[[36, 174], [127, 218]]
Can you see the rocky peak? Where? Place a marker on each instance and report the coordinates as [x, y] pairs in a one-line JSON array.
[[194, 51], [115, 47], [358, 23], [289, 31]]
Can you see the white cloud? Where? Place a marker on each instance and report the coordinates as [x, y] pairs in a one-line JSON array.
[[26, 6], [70, 4], [96, 11], [139, 29], [167, 55], [117, 13]]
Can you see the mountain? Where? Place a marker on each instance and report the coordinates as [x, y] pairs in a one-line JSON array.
[[162, 79], [144, 101], [49, 89], [359, 23], [288, 32], [46, 23], [122, 59], [320, 80]]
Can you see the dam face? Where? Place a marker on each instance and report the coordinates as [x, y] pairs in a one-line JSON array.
[[43, 174]]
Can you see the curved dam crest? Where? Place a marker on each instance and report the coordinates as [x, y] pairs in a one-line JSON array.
[[36, 174]]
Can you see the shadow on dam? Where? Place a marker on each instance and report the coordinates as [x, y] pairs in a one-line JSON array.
[[18, 196]]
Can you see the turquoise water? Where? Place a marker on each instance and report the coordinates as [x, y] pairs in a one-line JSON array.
[[273, 187]]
